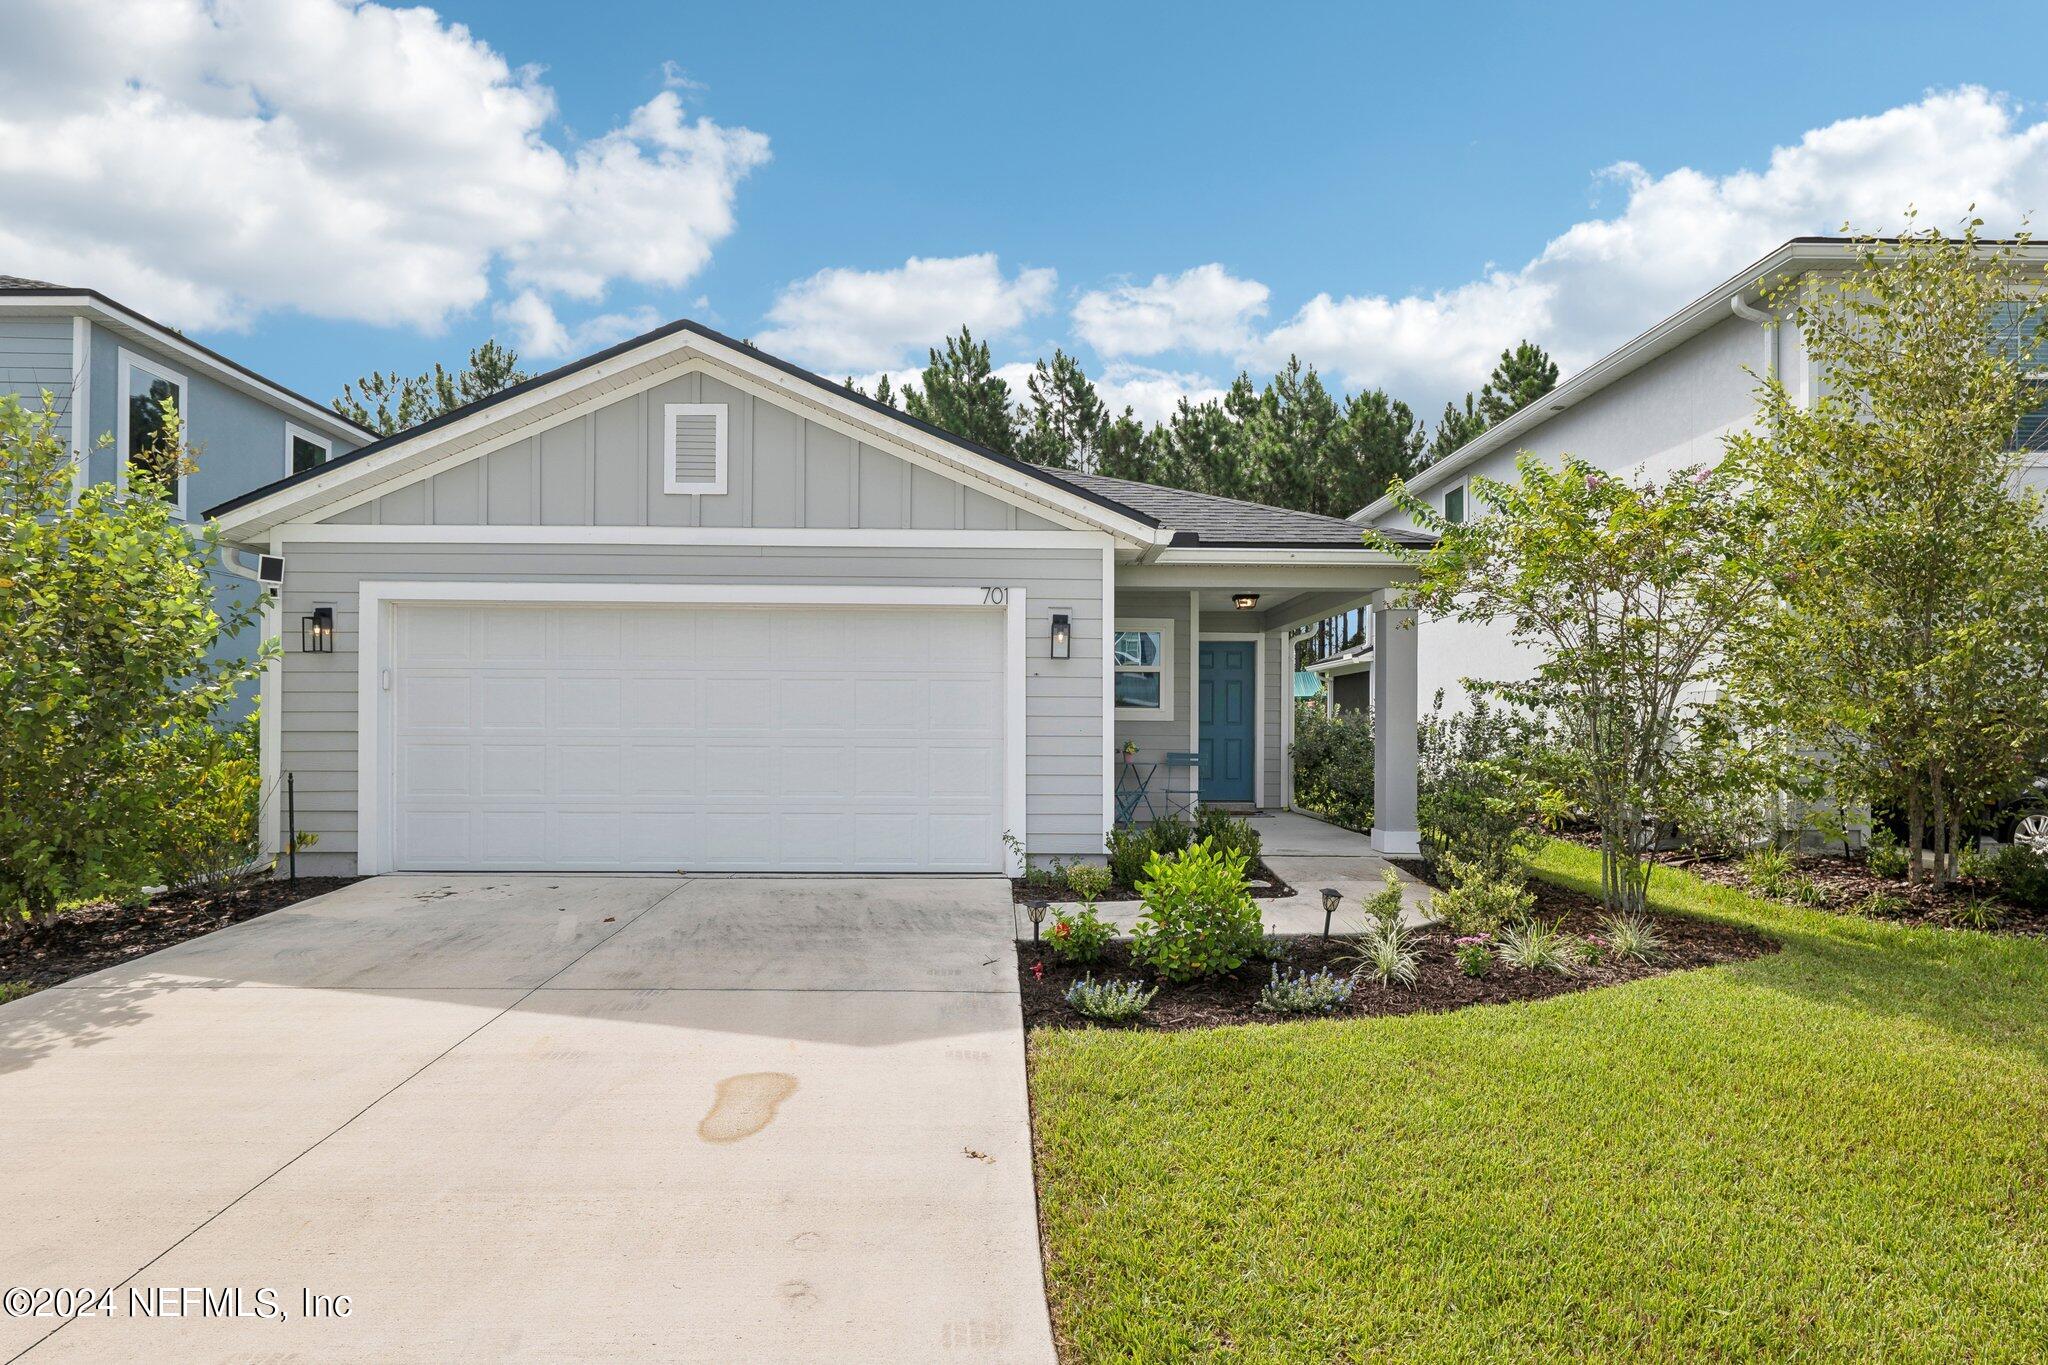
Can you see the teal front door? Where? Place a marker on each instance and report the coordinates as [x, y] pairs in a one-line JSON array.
[[1229, 719]]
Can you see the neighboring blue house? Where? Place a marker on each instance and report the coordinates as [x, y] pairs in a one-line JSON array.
[[108, 370]]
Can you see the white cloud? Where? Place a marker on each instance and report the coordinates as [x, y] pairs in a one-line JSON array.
[[537, 334], [208, 160], [1152, 394], [1203, 309], [1675, 236], [842, 320]]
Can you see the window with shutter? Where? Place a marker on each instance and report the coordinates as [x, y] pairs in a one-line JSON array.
[[694, 447]]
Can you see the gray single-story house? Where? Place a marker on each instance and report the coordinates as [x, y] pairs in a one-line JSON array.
[[682, 605]]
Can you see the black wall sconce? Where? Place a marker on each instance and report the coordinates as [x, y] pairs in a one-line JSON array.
[[1062, 635], [316, 632]]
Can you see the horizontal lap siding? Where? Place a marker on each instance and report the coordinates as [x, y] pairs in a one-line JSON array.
[[35, 355], [1063, 698]]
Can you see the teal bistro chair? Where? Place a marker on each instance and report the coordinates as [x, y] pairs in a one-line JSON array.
[[1183, 783]]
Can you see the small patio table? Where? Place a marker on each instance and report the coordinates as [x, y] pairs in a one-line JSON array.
[[1133, 789]]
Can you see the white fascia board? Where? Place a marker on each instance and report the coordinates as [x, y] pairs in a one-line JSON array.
[[1254, 556], [1793, 258], [139, 328]]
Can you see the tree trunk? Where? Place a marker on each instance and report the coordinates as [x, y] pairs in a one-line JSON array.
[[1938, 817], [1916, 828]]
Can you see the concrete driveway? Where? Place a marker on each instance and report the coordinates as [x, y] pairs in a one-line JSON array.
[[556, 1117]]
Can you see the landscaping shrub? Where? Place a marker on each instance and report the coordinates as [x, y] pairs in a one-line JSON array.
[[1475, 954], [1130, 847], [1882, 905], [1384, 905], [1288, 992], [1882, 854], [1976, 913], [1089, 881], [1474, 903], [1274, 948], [1768, 872], [1333, 762], [1631, 936], [1537, 945], [1478, 796], [2021, 876], [1228, 833], [1387, 955], [210, 800], [1112, 1002], [1199, 920], [1078, 935]]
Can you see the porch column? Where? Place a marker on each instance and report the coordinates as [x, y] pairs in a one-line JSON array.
[[1395, 717]]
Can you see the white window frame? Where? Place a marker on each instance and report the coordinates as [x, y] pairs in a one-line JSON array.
[[1463, 489], [294, 432], [127, 363], [1163, 626], [669, 482]]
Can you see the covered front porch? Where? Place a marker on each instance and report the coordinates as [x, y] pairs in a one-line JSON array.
[[1202, 661]]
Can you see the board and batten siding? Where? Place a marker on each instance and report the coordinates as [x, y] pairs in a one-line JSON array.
[[1063, 698], [35, 355], [604, 468]]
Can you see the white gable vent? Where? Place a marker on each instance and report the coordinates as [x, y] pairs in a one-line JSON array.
[[693, 443]]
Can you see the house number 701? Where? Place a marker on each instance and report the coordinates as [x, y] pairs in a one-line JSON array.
[[995, 597]]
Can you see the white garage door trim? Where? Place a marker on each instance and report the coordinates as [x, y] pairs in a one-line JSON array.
[[377, 600]]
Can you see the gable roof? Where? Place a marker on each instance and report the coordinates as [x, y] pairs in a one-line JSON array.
[[682, 326], [1227, 523], [17, 292]]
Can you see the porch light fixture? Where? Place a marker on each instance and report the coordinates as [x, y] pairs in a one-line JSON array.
[[1245, 601], [1062, 635], [1331, 895], [316, 632], [1036, 909]]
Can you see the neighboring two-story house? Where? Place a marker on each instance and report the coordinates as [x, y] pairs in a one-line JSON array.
[[1666, 399], [110, 371]]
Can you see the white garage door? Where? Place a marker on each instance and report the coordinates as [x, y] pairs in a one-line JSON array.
[[711, 738]]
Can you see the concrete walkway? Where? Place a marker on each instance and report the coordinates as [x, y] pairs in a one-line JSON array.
[[548, 1118], [1310, 854]]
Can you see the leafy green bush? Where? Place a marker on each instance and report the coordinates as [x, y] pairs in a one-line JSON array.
[[1882, 854], [1475, 903], [1384, 905], [1198, 919], [1333, 763], [1478, 792], [1089, 881], [1977, 912], [1228, 833], [1631, 936], [2021, 876], [1882, 905], [1112, 1002], [1132, 846], [1288, 992], [1387, 954], [1537, 945], [210, 787], [1078, 935]]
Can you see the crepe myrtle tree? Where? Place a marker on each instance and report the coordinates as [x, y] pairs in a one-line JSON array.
[[106, 619], [1907, 636], [1628, 590]]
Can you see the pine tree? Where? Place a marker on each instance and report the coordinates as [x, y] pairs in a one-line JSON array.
[[1294, 435], [1063, 418], [1455, 427], [1382, 441], [1523, 375], [963, 394], [885, 395], [390, 403]]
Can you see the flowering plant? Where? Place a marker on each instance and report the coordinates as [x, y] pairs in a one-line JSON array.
[[1475, 954]]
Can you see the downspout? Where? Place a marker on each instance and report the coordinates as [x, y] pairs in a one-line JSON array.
[[1744, 311]]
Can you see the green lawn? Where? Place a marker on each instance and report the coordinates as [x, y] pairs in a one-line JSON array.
[[1839, 1151]]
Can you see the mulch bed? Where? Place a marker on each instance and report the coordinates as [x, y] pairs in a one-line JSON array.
[[89, 937], [1843, 884], [1441, 986], [1262, 881]]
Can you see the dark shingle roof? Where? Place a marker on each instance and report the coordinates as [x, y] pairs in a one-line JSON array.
[[1226, 522], [17, 282]]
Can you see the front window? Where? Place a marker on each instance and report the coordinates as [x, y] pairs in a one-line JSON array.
[[152, 418], [303, 450], [1144, 668], [2028, 345], [1454, 506]]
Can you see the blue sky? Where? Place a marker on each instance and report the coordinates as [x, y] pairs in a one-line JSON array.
[[1394, 193]]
